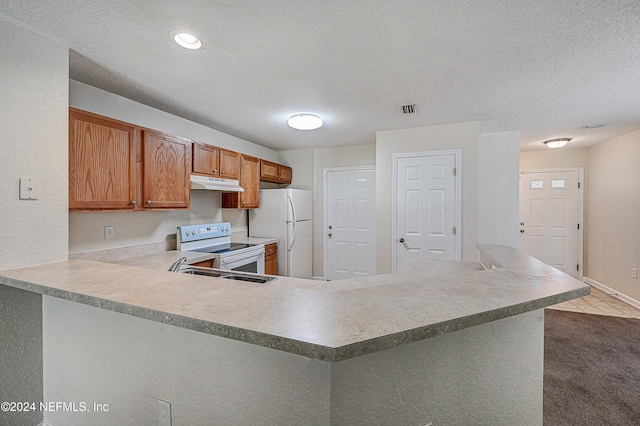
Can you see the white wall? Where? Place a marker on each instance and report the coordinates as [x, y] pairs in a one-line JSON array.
[[498, 178], [34, 79], [491, 372], [33, 112], [86, 230], [462, 136], [96, 355], [301, 160], [613, 229]]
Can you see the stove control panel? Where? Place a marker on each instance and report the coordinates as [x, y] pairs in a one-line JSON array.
[[204, 231]]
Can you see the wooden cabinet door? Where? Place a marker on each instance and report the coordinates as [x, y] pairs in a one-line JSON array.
[[102, 162], [271, 259], [250, 181], [268, 171], [205, 159], [166, 171], [229, 164], [271, 265], [285, 173]]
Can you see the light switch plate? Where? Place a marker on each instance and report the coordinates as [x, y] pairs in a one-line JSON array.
[[29, 188]]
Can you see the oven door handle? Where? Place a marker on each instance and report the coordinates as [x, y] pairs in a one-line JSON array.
[[236, 258]]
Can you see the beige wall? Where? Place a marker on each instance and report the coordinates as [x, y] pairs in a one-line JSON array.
[[450, 136], [86, 230], [554, 158], [614, 204], [34, 78]]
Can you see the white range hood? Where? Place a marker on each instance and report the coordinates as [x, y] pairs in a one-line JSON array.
[[215, 184]]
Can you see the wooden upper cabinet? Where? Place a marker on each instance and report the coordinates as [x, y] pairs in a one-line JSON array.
[[216, 162], [205, 159], [166, 169], [273, 172], [285, 174], [268, 171], [103, 156], [229, 164], [250, 181]]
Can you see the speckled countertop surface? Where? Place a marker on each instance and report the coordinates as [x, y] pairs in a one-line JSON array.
[[331, 321]]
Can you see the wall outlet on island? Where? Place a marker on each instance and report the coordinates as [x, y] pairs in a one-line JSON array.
[[634, 273], [108, 232], [164, 413]]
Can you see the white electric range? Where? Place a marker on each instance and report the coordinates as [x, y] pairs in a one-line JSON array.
[[215, 238]]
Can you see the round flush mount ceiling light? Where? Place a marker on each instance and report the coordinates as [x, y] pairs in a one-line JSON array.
[[305, 122], [186, 40], [557, 143]]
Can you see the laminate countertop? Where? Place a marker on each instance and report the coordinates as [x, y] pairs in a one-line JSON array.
[[331, 321]]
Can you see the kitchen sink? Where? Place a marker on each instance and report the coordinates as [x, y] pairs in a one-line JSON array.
[[229, 275]]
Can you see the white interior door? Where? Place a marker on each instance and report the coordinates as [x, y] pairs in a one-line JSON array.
[[550, 217], [426, 216], [350, 223]]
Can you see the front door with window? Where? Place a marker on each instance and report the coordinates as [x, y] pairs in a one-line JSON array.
[[549, 218]]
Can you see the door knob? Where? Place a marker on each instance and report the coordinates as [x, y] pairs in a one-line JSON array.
[[330, 227], [521, 223], [401, 240], [522, 231], [329, 235]]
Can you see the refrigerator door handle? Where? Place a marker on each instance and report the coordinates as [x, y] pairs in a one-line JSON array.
[[293, 210]]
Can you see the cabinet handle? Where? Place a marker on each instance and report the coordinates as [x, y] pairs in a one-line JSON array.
[[148, 201], [134, 202], [215, 171], [222, 172]]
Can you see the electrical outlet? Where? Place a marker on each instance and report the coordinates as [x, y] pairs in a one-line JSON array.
[[164, 413], [634, 273], [237, 221], [108, 232]]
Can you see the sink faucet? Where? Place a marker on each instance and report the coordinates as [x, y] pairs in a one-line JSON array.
[[175, 266]]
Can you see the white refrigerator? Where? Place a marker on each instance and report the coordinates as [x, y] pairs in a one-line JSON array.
[[285, 214]]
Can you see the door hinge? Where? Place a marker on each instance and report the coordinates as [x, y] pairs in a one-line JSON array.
[[578, 226], [578, 185], [455, 171], [455, 231], [578, 266]]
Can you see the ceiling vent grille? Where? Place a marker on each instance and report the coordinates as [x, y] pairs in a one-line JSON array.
[[409, 109]]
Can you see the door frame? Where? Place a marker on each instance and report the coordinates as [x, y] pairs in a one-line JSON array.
[[580, 171], [325, 208], [457, 153]]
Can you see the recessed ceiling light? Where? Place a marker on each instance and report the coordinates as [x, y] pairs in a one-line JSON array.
[[305, 122], [557, 143], [186, 40]]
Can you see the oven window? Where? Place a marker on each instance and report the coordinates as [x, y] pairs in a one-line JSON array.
[[249, 267]]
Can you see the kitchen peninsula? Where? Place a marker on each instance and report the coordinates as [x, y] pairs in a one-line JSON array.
[[441, 341]]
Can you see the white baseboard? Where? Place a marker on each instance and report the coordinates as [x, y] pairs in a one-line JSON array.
[[611, 292], [318, 278]]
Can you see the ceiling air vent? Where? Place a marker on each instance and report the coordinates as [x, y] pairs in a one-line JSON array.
[[409, 109]]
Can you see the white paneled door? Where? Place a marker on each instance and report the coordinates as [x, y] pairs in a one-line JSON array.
[[350, 223], [425, 218], [549, 218]]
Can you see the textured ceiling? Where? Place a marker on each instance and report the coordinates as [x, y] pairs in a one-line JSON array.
[[545, 67]]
